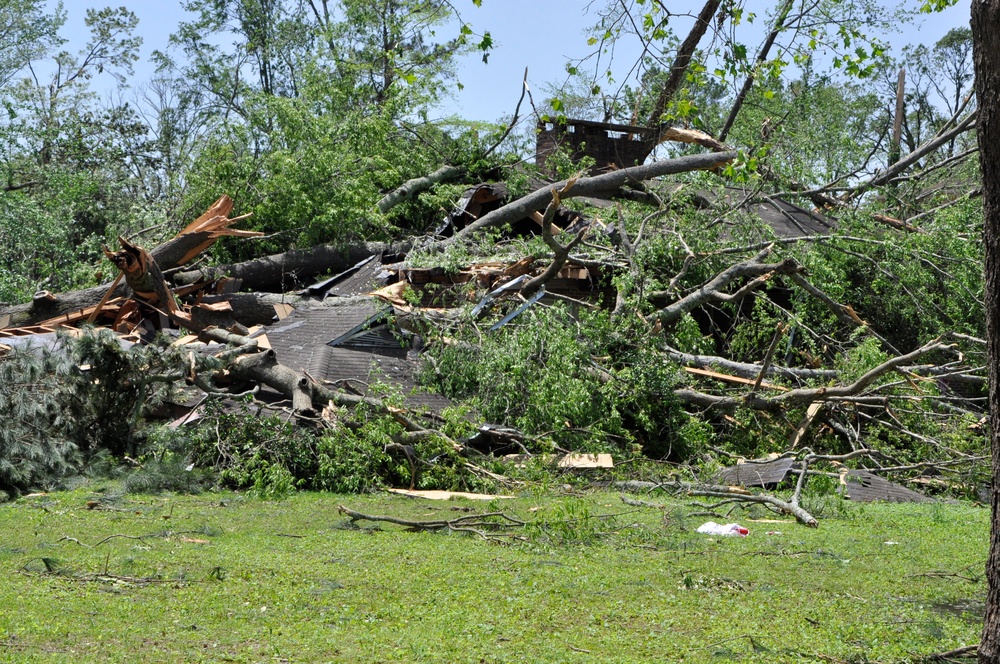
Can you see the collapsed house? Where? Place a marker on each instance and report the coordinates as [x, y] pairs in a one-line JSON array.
[[349, 332]]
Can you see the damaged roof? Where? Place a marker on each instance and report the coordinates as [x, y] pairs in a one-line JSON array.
[[363, 277], [860, 486], [767, 474], [352, 344]]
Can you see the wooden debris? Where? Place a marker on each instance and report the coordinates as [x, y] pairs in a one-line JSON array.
[[445, 495], [733, 379], [800, 431], [282, 311], [213, 224], [586, 461]]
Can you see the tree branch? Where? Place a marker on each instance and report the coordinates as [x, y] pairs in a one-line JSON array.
[[599, 185]]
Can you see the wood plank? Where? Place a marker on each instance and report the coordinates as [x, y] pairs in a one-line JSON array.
[[733, 379]]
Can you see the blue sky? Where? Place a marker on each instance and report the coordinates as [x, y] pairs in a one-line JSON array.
[[538, 34]]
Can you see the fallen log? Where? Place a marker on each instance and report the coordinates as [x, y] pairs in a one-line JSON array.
[[409, 189], [288, 270], [597, 186]]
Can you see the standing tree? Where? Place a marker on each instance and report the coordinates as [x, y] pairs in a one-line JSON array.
[[986, 56]]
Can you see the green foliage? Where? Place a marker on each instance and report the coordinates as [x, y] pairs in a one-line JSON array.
[[65, 402], [533, 374], [170, 474], [569, 523], [356, 462], [353, 458], [27, 31], [270, 481], [36, 446], [252, 451], [41, 252], [538, 374]]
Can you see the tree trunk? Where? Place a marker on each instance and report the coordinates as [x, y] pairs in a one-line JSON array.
[[168, 255], [779, 25], [606, 184], [679, 69], [280, 273], [986, 57]]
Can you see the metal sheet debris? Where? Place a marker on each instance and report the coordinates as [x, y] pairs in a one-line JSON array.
[[862, 486]]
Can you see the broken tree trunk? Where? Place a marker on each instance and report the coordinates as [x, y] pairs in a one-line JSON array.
[[560, 253], [195, 238], [142, 275]]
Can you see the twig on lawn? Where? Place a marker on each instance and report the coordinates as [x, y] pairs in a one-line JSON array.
[[111, 537], [641, 503], [477, 524], [937, 574]]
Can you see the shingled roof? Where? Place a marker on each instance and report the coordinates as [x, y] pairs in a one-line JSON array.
[[860, 486], [365, 348], [757, 473]]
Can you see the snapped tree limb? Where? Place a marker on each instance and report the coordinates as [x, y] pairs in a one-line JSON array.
[[560, 252], [712, 291], [409, 189], [805, 396], [599, 185]]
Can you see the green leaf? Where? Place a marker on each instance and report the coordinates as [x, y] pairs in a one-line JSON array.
[[931, 6]]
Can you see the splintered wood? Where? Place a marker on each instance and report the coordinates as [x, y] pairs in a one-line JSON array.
[[214, 224]]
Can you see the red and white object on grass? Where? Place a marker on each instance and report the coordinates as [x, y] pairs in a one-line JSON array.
[[723, 530]]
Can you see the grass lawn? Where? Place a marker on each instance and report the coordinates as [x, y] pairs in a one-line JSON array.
[[222, 578]]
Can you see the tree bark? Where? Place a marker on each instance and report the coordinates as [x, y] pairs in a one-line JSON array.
[[409, 189], [599, 185], [280, 273], [986, 59], [680, 66]]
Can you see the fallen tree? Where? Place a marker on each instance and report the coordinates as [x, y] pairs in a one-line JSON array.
[[606, 185], [195, 238]]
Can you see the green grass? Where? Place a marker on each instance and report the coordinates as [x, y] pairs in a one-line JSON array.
[[228, 579]]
